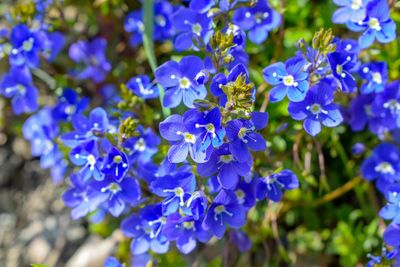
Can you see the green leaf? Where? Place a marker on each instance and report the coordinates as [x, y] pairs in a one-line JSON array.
[[148, 43], [38, 265]]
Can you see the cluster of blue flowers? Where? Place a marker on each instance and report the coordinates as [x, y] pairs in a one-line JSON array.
[[194, 177], [377, 107], [23, 46], [310, 79], [368, 16]]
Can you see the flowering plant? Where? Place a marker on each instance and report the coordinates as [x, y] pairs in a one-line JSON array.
[[191, 145]]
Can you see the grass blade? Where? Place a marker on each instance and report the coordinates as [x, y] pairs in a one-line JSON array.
[[148, 43]]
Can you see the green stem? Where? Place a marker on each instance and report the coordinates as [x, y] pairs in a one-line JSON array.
[[148, 43], [45, 77]]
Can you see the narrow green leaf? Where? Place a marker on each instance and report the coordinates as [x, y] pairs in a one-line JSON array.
[[148, 43], [38, 265], [45, 77]]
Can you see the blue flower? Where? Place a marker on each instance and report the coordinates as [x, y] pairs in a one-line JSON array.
[[26, 46], [387, 105], [92, 55], [141, 260], [315, 109], [239, 55], [41, 129], [391, 236], [220, 80], [242, 135], [175, 190], [346, 45], [146, 229], [142, 86], [134, 24], [258, 20], [195, 205], [273, 185], [288, 78], [183, 142], [87, 128], [53, 44], [112, 262], [392, 209], [245, 193], [342, 65], [361, 113], [383, 166], [224, 211], [385, 256], [201, 6], [178, 80], [227, 168], [87, 156], [82, 198], [207, 128], [213, 185], [141, 148], [186, 231], [116, 164], [162, 23], [350, 10], [373, 260], [358, 149], [151, 172], [41, 7], [204, 6], [119, 194], [239, 36], [60, 167], [18, 85], [376, 25], [69, 104], [190, 26], [315, 60], [376, 74], [241, 240]]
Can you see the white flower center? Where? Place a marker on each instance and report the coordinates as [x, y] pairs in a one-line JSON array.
[[188, 225], [315, 108], [377, 77], [374, 24], [91, 160], [140, 145], [113, 188], [160, 20], [226, 158], [196, 29], [368, 110], [288, 80], [28, 44], [21, 89], [219, 210], [184, 83], [393, 105], [70, 109], [356, 4], [240, 195], [209, 127], [117, 159], [142, 89], [385, 168]]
